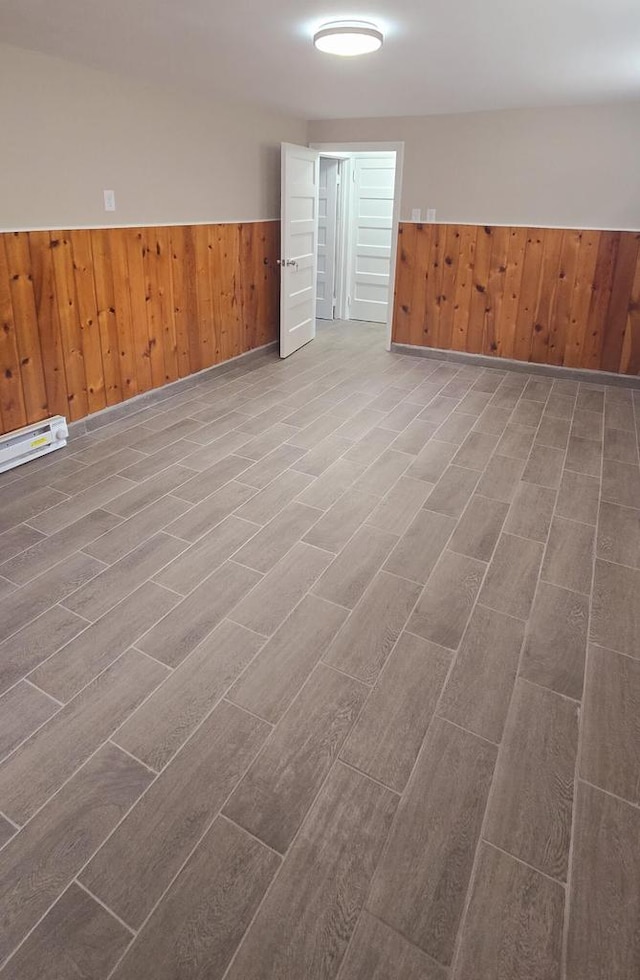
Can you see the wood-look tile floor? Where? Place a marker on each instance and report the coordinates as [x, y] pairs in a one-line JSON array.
[[327, 668]]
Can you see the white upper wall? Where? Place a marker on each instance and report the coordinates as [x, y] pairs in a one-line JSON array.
[[567, 167], [70, 132]]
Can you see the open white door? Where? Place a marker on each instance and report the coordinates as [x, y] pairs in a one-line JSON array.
[[299, 248], [371, 238], [327, 237]]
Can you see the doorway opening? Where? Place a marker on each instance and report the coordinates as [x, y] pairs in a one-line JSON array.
[[340, 216], [355, 228]]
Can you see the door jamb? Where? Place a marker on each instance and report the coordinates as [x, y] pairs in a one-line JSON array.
[[364, 146]]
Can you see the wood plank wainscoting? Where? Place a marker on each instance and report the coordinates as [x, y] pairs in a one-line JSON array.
[[544, 295], [90, 318]]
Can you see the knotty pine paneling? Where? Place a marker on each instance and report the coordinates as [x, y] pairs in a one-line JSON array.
[[89, 318], [545, 295]]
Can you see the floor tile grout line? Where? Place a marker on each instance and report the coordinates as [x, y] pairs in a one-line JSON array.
[[218, 813], [367, 775], [28, 681], [80, 633], [468, 731], [607, 792], [234, 823], [155, 777], [453, 660], [112, 565], [91, 755], [226, 699], [32, 817], [15, 825], [345, 673], [15, 748], [578, 759], [550, 690], [501, 749], [335, 763], [99, 901], [30, 932], [16, 592], [75, 551], [150, 769], [519, 860]]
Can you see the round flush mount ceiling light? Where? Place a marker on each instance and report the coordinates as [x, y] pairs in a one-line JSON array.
[[348, 38]]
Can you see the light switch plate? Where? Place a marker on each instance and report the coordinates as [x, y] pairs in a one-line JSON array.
[[416, 214], [109, 200], [431, 215]]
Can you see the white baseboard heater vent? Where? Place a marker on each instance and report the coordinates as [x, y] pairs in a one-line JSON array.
[[32, 441]]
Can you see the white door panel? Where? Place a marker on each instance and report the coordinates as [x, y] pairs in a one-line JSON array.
[[327, 237], [299, 237], [373, 193]]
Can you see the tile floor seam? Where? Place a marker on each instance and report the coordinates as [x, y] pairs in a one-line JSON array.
[[28, 681], [580, 720], [99, 901], [469, 731], [151, 783], [58, 602], [109, 741], [270, 887], [226, 699], [366, 775], [228, 819], [501, 749], [532, 867], [218, 813], [7, 756], [15, 825], [97, 749], [340, 670], [551, 690], [27, 822], [406, 939], [5, 962], [608, 792], [453, 655]]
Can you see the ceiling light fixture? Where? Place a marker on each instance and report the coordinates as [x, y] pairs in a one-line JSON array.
[[348, 38]]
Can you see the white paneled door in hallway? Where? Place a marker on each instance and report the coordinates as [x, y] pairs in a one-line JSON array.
[[371, 236]]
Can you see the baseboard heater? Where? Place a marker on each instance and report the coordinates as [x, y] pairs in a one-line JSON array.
[[32, 441]]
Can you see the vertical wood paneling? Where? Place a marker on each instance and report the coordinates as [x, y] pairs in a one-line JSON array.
[[13, 413], [25, 319], [119, 270], [89, 318], [107, 320], [48, 317], [495, 289], [70, 329], [83, 275], [549, 296]]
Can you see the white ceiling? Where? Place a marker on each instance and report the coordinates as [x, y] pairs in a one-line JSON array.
[[439, 55]]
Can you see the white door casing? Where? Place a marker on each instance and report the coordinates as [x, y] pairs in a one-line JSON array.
[[327, 237], [300, 181], [371, 237]]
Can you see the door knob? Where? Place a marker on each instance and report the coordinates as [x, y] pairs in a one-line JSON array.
[[291, 262]]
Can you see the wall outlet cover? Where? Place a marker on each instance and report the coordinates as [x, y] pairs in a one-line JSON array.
[[416, 214], [431, 215], [109, 200]]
